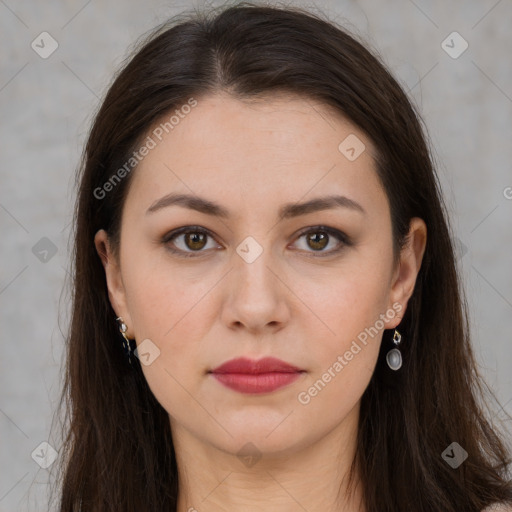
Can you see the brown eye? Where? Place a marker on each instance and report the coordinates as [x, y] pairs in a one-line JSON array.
[[195, 241], [318, 240], [189, 241]]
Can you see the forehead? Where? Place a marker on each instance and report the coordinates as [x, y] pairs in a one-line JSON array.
[[264, 148]]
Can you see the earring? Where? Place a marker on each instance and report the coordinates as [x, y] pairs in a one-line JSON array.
[[394, 356], [127, 345]]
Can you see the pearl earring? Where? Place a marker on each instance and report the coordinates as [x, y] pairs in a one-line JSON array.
[[394, 356]]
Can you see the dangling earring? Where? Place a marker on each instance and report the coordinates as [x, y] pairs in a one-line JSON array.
[[127, 346], [394, 356]]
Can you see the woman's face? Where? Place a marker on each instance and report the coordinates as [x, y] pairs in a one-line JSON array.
[[314, 288]]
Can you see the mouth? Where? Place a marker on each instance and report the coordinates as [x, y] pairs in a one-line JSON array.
[[256, 376]]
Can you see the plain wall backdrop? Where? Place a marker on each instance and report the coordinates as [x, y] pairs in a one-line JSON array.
[[46, 104]]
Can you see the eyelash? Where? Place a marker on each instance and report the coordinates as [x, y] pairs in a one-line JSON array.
[[345, 241]]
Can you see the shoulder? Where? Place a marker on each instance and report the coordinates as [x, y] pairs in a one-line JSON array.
[[498, 507]]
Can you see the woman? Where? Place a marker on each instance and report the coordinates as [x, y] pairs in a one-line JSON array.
[[267, 313]]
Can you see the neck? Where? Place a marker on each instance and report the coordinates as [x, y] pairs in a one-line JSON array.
[[311, 477]]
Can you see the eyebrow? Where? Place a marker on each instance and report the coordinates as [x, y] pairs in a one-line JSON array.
[[286, 211]]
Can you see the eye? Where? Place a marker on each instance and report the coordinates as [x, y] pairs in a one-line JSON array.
[[318, 238], [189, 240]]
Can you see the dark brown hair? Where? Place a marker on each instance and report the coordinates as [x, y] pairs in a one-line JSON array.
[[118, 451]]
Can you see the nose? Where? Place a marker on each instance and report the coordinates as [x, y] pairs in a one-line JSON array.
[[257, 298]]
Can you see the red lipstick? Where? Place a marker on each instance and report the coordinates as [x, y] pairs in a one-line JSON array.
[[261, 376]]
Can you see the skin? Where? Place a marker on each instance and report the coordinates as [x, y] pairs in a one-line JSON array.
[[291, 302]]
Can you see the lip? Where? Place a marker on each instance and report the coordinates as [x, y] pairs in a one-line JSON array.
[[256, 367], [256, 376]]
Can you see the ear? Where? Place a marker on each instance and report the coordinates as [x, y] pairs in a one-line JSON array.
[[411, 256], [116, 291]]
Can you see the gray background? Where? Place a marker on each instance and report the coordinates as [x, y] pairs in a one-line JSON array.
[[47, 105]]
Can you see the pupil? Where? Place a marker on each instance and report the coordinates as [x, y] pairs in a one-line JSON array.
[[195, 238], [318, 240]]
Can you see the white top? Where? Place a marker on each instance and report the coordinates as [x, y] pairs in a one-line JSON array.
[[498, 507]]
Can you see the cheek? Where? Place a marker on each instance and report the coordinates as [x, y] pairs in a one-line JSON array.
[[347, 301], [169, 320], [161, 295], [346, 343], [335, 391], [172, 308], [346, 353]]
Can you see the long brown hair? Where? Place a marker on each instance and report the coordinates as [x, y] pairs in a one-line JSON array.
[[118, 451]]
